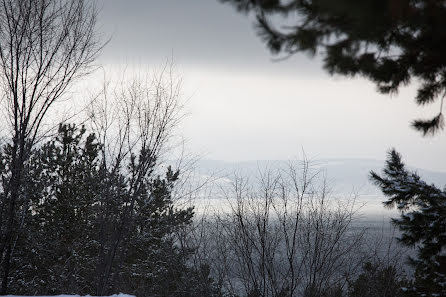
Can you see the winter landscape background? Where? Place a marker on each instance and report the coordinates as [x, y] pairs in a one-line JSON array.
[[143, 147]]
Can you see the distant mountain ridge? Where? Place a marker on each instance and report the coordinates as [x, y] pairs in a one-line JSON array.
[[345, 176]]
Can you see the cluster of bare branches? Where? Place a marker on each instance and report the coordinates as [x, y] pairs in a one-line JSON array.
[[136, 112], [134, 118], [45, 45], [285, 235]]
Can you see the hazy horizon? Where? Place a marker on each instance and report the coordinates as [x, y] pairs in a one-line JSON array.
[[242, 105]]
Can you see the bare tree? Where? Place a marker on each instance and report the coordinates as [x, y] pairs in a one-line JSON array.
[[134, 118], [284, 235], [45, 45]]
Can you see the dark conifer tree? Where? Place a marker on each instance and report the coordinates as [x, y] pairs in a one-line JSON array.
[[78, 212], [422, 222], [56, 251]]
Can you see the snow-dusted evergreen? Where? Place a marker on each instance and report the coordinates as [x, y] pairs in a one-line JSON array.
[[422, 222], [92, 229]]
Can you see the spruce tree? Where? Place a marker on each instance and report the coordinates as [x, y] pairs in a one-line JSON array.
[[422, 222], [56, 252], [79, 211]]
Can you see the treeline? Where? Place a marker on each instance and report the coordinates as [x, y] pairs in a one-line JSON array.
[[88, 223], [86, 228]]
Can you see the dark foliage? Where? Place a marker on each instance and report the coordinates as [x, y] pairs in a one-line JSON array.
[[378, 281], [422, 222], [87, 230], [335, 291], [389, 42]]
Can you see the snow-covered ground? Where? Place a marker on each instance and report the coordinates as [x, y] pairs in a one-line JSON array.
[[115, 295]]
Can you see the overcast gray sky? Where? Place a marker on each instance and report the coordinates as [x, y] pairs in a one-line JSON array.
[[244, 106]]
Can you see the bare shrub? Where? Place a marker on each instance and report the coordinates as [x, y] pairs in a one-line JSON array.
[[283, 235]]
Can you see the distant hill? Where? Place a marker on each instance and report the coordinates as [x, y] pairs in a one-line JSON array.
[[344, 175]]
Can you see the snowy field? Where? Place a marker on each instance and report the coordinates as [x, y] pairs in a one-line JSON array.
[[115, 295]]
